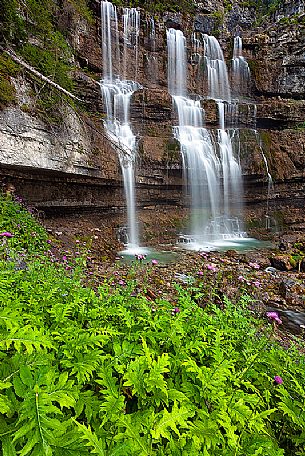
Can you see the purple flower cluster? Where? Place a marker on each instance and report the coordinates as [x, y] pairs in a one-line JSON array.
[[203, 255], [274, 316], [243, 279], [18, 199], [254, 265], [6, 234], [212, 267], [278, 380]]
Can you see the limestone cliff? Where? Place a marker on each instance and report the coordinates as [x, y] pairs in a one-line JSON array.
[[46, 137]]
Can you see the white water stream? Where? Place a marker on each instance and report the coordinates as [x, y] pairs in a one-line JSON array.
[[213, 174], [240, 71], [270, 187], [210, 162], [117, 93]]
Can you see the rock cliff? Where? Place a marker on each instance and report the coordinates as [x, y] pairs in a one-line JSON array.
[[61, 157]]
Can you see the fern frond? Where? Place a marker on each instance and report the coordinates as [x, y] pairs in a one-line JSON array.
[[97, 445], [8, 448], [169, 421], [28, 337], [135, 429], [41, 423]]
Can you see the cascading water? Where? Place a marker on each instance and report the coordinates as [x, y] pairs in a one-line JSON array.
[[231, 175], [117, 94], [214, 179], [217, 74], [131, 26], [240, 71], [270, 187], [200, 163], [219, 90]]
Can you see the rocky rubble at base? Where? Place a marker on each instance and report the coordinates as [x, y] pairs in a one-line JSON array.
[[272, 278]]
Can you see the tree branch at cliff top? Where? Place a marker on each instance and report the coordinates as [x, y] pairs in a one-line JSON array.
[[39, 75]]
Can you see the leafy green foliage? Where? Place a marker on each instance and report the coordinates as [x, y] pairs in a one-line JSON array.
[[7, 90], [28, 234], [51, 61], [12, 26], [81, 6], [8, 66], [32, 25], [103, 372]]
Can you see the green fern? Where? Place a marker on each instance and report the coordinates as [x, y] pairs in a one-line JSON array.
[[169, 421], [28, 337], [97, 445]]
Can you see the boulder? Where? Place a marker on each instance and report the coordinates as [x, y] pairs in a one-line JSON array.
[[281, 262]]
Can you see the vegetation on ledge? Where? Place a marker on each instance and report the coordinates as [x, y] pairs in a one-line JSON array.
[[32, 28], [100, 369], [7, 90]]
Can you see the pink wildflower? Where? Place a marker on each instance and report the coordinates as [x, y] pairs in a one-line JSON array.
[[175, 310], [212, 268], [274, 316], [6, 234], [278, 380], [140, 257], [254, 265]]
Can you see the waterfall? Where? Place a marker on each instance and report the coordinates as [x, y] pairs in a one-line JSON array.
[[240, 71], [200, 163], [270, 186], [231, 175], [176, 62], [219, 90], [117, 93], [131, 32], [212, 173], [216, 68], [109, 21]]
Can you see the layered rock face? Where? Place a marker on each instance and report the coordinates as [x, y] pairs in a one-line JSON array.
[[75, 164]]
